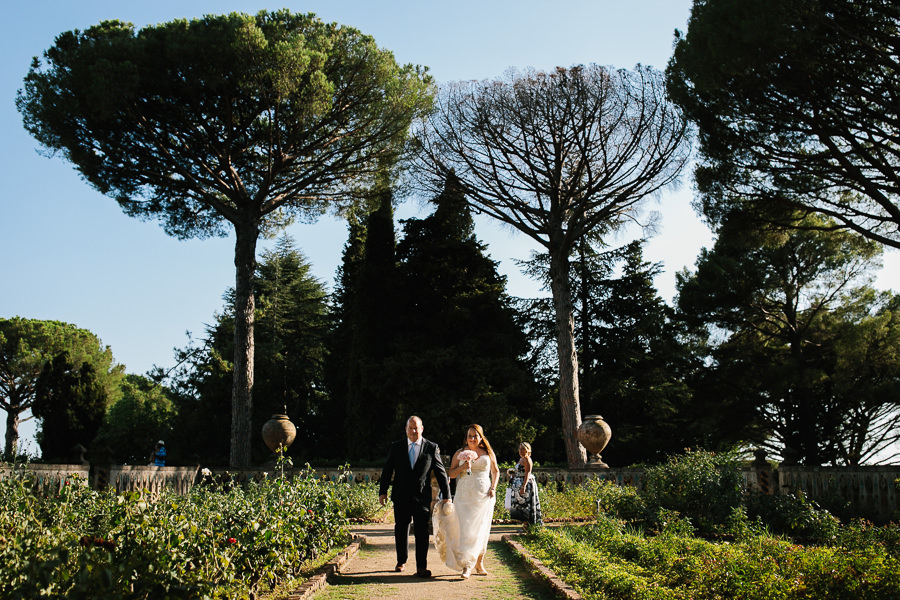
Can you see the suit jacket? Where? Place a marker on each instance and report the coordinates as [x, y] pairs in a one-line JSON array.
[[413, 484]]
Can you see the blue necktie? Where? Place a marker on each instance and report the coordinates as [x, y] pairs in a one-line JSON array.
[[412, 455]]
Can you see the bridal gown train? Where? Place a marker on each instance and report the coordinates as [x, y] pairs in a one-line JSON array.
[[461, 528]]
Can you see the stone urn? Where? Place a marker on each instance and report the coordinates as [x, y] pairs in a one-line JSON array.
[[594, 434], [278, 432]]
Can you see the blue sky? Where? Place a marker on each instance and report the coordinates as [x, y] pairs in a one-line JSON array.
[[70, 254]]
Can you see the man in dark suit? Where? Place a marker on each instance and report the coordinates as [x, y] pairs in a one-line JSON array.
[[408, 469]]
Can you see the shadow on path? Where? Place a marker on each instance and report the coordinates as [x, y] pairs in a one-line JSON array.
[[371, 573]]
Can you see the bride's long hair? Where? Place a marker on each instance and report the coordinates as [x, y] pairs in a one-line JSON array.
[[484, 441]]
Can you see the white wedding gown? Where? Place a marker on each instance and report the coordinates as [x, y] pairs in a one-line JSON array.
[[461, 528]]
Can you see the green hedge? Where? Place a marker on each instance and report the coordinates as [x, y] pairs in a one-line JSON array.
[[211, 543], [605, 560]]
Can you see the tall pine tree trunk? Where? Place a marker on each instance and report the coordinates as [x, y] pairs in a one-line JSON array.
[[12, 430], [244, 311], [569, 403]]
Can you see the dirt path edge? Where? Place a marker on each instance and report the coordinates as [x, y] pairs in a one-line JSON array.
[[320, 579], [541, 570]]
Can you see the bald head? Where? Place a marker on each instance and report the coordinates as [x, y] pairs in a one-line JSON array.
[[414, 429]]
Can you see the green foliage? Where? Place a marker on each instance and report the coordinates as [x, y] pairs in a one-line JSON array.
[[591, 571], [27, 346], [360, 501], [425, 327], [339, 340], [860, 534], [458, 343], [553, 191], [372, 414], [795, 516], [144, 414], [794, 105], [70, 402], [290, 324], [800, 347], [264, 118], [606, 560], [265, 88], [702, 486], [631, 357], [211, 543], [643, 545], [639, 363], [582, 501]]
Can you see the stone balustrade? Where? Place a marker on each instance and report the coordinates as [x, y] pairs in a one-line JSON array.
[[870, 492], [47, 479]]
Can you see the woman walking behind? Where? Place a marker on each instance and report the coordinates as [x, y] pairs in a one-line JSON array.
[[526, 505]]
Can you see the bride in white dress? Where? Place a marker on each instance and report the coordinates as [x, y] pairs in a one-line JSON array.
[[461, 528]]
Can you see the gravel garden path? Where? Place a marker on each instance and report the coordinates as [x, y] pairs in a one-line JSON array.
[[369, 573]]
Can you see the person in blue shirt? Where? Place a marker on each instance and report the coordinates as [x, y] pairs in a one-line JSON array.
[[158, 458]]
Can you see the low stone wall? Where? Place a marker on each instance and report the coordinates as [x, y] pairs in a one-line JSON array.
[[871, 492], [133, 478], [48, 479]]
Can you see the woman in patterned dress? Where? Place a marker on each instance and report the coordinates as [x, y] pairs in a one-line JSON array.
[[526, 505]]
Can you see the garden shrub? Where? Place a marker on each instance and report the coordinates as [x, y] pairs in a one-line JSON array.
[[211, 543], [702, 486], [795, 516], [860, 534], [606, 560], [623, 501], [360, 501]]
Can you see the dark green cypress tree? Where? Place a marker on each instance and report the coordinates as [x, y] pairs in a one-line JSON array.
[[70, 402], [371, 419], [638, 363], [290, 349], [339, 342], [459, 355], [632, 359]]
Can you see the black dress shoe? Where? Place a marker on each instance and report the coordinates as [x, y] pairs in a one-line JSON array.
[[425, 574], [400, 567]]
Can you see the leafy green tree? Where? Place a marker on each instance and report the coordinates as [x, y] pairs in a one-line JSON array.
[[633, 366], [796, 104], [460, 352], [556, 156], [778, 301], [132, 426], [639, 361], [70, 402], [866, 380], [291, 322], [293, 325], [27, 346], [225, 122]]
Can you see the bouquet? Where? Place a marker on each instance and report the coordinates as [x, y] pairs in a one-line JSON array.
[[468, 456]]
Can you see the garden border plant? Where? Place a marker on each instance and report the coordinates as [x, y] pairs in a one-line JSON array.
[[647, 546], [217, 541]]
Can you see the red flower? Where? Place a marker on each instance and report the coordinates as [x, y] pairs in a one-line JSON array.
[[232, 541]]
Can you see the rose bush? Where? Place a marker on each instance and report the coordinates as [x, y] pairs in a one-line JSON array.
[[211, 543]]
